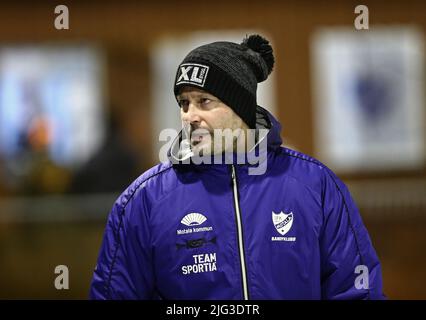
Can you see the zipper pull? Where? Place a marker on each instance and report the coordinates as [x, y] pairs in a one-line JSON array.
[[232, 172], [231, 183]]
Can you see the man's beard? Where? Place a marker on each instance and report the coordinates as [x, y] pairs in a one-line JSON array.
[[206, 142], [201, 141]]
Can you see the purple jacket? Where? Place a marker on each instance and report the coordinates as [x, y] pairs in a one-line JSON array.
[[186, 231]]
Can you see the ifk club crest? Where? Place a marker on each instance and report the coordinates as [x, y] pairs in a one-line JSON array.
[[283, 223]]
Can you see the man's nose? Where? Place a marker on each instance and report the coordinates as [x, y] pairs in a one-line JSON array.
[[192, 114]]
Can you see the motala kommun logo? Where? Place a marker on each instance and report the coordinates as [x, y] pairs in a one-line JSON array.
[[283, 223], [192, 221], [192, 73]]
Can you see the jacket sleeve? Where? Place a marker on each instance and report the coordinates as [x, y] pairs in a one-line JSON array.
[[350, 268], [124, 267]]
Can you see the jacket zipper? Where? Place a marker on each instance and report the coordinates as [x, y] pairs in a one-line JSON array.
[[239, 232]]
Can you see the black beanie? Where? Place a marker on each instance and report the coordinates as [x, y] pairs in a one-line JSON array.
[[229, 71]]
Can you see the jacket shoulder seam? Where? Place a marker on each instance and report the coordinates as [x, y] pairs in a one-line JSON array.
[[308, 159], [117, 238], [350, 223], [318, 163], [299, 180], [138, 186]]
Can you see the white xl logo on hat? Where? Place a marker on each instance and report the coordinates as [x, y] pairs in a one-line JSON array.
[[192, 73]]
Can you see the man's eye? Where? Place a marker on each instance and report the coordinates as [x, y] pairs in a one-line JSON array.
[[205, 101], [183, 103]]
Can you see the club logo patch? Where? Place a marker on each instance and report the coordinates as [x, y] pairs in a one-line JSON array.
[[283, 223], [192, 73]]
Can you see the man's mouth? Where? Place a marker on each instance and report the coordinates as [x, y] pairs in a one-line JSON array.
[[198, 137]]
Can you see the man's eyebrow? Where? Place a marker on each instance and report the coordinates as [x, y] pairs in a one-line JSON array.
[[194, 94]]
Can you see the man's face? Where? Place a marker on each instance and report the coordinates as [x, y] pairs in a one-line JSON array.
[[205, 113]]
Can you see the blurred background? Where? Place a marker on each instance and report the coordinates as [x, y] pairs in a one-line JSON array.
[[81, 110]]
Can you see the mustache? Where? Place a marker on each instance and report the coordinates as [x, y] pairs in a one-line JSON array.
[[199, 130]]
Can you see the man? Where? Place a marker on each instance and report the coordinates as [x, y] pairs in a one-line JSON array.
[[212, 230]]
